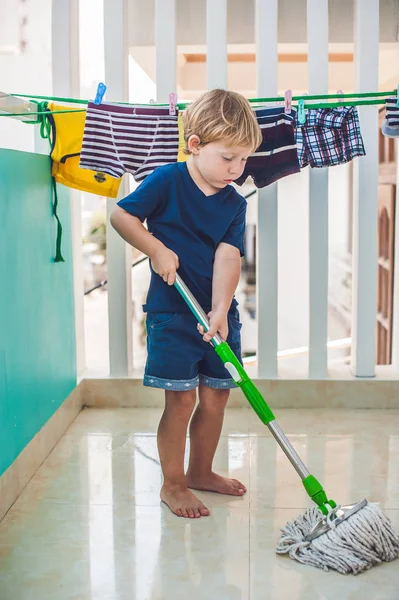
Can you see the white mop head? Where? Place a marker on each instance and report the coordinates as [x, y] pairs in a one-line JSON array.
[[360, 542]]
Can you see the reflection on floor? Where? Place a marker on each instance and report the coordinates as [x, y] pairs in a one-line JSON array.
[[89, 525]]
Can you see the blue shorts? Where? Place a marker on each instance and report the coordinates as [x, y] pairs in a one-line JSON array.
[[178, 357]]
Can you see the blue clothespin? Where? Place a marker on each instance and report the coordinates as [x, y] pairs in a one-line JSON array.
[[301, 112], [100, 93], [397, 97]]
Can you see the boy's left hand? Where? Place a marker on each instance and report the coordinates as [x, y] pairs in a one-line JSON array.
[[218, 324]]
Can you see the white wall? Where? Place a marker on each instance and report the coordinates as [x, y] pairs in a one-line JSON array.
[[26, 72]]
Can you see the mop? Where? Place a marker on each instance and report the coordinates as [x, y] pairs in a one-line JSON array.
[[347, 539]]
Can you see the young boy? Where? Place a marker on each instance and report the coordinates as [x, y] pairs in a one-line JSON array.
[[196, 224]]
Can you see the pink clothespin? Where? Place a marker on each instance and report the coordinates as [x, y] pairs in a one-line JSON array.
[[172, 103], [288, 102], [340, 93]]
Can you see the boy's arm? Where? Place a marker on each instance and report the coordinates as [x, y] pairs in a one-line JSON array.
[[164, 261], [226, 275]]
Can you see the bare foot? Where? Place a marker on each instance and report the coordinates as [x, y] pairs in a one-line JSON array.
[[216, 483], [182, 502]]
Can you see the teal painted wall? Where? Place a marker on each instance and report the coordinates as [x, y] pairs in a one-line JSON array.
[[37, 330]]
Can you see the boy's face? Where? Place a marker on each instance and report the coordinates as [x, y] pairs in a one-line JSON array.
[[220, 164]]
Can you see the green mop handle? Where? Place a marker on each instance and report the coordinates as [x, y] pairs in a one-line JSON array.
[[313, 488]]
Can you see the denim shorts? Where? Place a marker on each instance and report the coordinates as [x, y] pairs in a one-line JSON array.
[[179, 359]]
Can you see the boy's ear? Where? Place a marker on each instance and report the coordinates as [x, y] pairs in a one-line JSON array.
[[193, 144]]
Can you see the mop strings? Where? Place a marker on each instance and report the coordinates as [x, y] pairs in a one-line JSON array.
[[358, 543]]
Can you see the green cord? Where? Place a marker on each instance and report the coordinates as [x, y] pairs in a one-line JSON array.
[[45, 133], [52, 112], [379, 99], [181, 106], [58, 254]]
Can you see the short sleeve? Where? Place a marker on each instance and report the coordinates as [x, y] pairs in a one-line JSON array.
[[147, 198], [235, 233]]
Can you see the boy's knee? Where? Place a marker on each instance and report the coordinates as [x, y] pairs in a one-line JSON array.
[[214, 399], [182, 401]]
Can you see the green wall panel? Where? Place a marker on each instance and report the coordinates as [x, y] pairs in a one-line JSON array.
[[37, 331]]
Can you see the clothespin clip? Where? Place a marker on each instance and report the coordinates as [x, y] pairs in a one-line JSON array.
[[100, 93], [172, 103], [340, 93], [288, 102], [397, 97], [301, 112]]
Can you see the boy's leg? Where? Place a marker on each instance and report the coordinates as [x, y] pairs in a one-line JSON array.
[[172, 433], [205, 428]]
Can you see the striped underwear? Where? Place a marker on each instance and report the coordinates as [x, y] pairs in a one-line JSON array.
[[392, 112], [277, 156], [122, 139]]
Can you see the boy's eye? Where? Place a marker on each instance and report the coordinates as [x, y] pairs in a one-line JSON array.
[[227, 158]]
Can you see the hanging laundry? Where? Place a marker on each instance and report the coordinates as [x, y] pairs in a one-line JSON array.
[[67, 135], [390, 125], [120, 138], [329, 137], [181, 156], [277, 155]]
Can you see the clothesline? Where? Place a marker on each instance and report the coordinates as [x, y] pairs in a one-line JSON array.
[[94, 159], [344, 100]]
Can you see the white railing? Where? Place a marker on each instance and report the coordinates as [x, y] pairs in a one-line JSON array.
[[365, 177], [343, 344]]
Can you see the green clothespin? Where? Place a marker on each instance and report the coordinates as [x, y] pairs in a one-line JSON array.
[[301, 112]]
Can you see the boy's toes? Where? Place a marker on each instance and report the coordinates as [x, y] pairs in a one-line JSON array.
[[182, 501], [240, 488]]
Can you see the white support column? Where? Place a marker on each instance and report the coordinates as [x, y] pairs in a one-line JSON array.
[[119, 255], [66, 83], [317, 25], [365, 209], [266, 25], [395, 325], [165, 48], [65, 47], [216, 44]]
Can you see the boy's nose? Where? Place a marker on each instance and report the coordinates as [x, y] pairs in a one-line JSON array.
[[235, 172]]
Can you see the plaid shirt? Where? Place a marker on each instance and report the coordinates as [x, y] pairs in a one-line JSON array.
[[329, 137]]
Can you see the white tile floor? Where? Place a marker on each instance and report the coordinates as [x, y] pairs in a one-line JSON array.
[[89, 525]]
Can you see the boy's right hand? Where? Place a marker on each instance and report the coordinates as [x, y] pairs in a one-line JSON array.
[[165, 263]]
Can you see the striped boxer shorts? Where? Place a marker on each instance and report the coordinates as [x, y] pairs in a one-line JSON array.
[[329, 137], [122, 139], [392, 111], [277, 155]]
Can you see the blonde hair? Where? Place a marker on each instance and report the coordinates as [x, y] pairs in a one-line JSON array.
[[222, 115]]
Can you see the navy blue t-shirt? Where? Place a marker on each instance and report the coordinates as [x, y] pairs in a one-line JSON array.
[[191, 224]]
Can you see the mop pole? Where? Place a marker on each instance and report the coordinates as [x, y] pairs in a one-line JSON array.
[[313, 488]]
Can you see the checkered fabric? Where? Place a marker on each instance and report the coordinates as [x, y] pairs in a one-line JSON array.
[[329, 137], [392, 111]]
